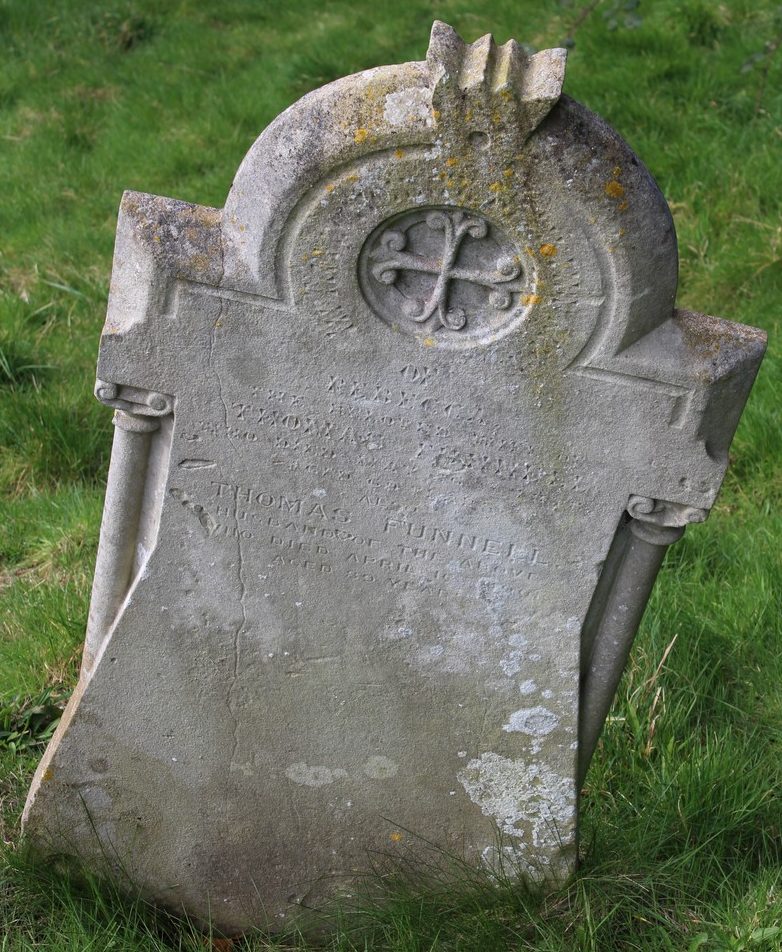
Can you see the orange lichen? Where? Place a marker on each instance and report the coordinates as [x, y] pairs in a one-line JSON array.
[[548, 251], [614, 189], [396, 837], [361, 135], [428, 342], [330, 187], [399, 153], [451, 162], [530, 299]]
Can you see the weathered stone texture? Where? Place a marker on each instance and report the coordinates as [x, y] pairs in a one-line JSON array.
[[379, 422]]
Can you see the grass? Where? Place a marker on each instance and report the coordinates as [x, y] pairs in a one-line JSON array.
[[682, 818]]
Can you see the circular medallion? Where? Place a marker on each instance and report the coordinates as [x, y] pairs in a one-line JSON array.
[[443, 272]]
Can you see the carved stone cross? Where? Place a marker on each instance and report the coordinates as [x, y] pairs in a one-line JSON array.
[[391, 258]]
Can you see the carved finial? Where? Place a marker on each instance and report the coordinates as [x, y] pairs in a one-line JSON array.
[[661, 513], [660, 522], [483, 91], [133, 399]]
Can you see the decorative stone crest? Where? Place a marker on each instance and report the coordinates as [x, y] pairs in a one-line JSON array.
[[440, 268], [489, 93]]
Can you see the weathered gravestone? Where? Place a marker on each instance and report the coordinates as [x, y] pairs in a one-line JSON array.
[[402, 435]]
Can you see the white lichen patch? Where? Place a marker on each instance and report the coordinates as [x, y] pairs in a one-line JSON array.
[[512, 664], [426, 655], [408, 105], [397, 633], [308, 776], [380, 768], [527, 687], [535, 721], [513, 661], [516, 794], [459, 652]]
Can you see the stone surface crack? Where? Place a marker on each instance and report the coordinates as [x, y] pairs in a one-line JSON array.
[[237, 651], [231, 701]]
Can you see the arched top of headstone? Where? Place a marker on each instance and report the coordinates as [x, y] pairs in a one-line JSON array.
[[567, 207], [475, 104], [452, 198]]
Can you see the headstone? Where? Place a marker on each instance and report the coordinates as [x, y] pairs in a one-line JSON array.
[[402, 434]]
